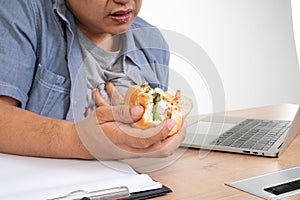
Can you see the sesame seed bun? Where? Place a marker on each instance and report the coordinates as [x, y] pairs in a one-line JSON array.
[[158, 106]]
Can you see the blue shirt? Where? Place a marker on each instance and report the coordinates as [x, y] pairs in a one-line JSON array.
[[40, 57]]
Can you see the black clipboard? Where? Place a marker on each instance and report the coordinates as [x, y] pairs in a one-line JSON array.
[[115, 193], [132, 196], [149, 193]]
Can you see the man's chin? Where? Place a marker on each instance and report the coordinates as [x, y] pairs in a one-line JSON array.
[[120, 28]]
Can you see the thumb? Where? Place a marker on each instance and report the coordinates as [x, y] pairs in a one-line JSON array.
[[136, 112], [125, 114]]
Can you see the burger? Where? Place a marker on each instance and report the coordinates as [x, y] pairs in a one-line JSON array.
[[158, 106]]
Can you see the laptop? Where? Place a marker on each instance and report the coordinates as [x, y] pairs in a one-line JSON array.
[[259, 137]]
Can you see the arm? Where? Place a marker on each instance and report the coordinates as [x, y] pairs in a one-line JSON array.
[[26, 133]]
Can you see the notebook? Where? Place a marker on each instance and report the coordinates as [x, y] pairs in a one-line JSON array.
[[241, 135]]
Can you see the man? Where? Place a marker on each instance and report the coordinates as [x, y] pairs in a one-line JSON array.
[[47, 66]]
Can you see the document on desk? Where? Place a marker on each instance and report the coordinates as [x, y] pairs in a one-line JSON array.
[[44, 178]]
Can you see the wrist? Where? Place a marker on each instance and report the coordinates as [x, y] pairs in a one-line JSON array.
[[73, 144]]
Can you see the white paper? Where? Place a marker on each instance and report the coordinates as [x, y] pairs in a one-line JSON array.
[[42, 178]]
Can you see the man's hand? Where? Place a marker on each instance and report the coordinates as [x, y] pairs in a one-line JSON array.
[[107, 133]]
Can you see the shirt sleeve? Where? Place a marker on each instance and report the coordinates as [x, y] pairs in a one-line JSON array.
[[17, 48]]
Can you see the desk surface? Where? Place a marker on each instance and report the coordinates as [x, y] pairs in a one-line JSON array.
[[202, 174]]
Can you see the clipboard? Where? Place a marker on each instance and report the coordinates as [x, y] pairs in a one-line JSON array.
[[149, 194], [111, 193], [121, 193], [32, 178]]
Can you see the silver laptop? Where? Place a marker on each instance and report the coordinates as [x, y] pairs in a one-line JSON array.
[[241, 135]]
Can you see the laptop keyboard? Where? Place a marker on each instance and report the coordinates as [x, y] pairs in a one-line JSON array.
[[253, 134]]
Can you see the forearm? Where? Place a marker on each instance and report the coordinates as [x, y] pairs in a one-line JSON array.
[[26, 133]]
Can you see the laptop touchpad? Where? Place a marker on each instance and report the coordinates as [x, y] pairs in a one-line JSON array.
[[211, 128], [203, 132]]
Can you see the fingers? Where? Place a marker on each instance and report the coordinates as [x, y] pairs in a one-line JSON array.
[[113, 93], [154, 134], [134, 142], [109, 141], [136, 112], [162, 148], [105, 113], [136, 137], [125, 114], [99, 100], [168, 146], [115, 97], [178, 94]]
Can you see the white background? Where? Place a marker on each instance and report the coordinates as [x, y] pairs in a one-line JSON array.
[[250, 42], [296, 22]]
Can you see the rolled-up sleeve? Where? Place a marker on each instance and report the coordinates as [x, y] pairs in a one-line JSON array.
[[18, 43]]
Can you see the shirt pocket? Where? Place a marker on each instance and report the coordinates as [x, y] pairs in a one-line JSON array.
[[49, 95]]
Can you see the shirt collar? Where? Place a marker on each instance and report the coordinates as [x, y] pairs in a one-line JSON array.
[[60, 7], [131, 49]]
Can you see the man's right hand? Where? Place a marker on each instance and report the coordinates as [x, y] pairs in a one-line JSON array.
[[107, 133]]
